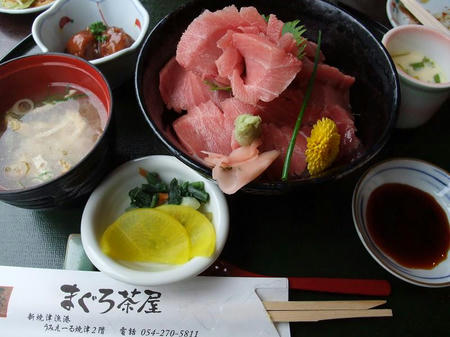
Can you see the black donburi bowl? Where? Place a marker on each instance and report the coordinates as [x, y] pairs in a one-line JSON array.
[[347, 45]]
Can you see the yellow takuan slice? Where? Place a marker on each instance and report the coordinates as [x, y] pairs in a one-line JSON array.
[[147, 235], [199, 228]]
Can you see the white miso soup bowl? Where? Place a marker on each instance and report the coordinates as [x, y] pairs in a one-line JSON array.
[[110, 200], [52, 29], [419, 99]]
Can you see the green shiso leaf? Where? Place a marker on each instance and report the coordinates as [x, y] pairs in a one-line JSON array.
[[297, 32]]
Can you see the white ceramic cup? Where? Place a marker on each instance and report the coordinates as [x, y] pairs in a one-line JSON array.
[[419, 99]]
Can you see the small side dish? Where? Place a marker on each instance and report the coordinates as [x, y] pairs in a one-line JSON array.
[[159, 245], [398, 15], [164, 223], [401, 213], [55, 27], [421, 57], [22, 4], [98, 40]]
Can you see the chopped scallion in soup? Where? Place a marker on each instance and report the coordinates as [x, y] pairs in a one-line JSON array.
[[42, 139], [420, 67]]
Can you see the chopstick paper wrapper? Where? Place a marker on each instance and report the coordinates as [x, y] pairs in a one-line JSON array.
[[46, 302]]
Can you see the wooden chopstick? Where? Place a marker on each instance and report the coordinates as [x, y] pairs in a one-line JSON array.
[[423, 15], [313, 311], [319, 315], [322, 305]]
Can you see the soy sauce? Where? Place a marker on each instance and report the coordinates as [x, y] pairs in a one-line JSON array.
[[408, 225]]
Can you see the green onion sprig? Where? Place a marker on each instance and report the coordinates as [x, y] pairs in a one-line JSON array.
[[290, 150]]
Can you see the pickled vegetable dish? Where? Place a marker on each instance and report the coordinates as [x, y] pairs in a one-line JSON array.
[[165, 223]]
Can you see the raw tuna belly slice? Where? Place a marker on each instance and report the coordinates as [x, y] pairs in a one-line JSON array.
[[310, 52], [197, 49], [227, 63], [278, 138], [350, 143], [274, 28], [202, 129], [275, 34], [253, 18], [268, 69], [183, 90], [325, 74], [283, 110], [323, 96]]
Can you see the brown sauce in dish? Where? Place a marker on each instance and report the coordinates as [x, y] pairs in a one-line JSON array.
[[408, 225]]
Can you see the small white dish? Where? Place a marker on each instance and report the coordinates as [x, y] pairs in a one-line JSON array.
[[419, 99], [398, 15], [52, 29], [28, 10], [110, 200], [421, 175]]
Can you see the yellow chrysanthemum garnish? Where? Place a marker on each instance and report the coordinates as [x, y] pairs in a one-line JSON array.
[[322, 146]]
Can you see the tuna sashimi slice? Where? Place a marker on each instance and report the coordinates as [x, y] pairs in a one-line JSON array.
[[183, 90], [310, 52], [325, 74], [288, 44], [253, 19], [268, 69], [283, 110], [275, 34], [274, 28], [197, 49], [229, 61], [350, 143], [278, 138], [323, 96], [202, 129]]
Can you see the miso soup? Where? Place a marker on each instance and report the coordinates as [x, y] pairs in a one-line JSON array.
[[45, 136]]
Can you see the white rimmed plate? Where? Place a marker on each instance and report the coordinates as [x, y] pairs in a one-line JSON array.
[[398, 15], [419, 174], [25, 10], [110, 200]]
